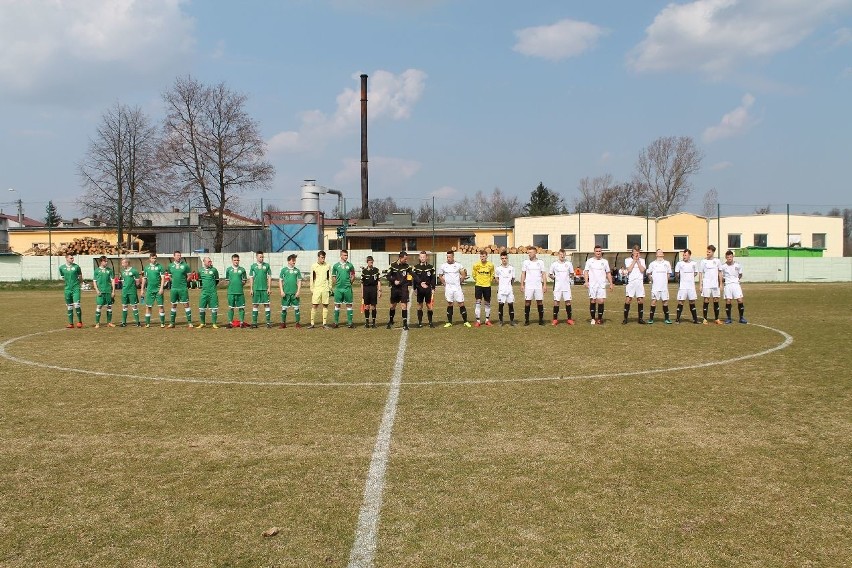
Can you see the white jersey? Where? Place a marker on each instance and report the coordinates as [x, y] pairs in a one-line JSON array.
[[505, 275], [732, 272], [562, 274], [597, 269], [634, 275], [660, 270], [687, 270], [709, 269], [532, 269], [451, 273]]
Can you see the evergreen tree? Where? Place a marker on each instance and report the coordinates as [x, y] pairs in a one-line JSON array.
[[543, 201], [52, 217]]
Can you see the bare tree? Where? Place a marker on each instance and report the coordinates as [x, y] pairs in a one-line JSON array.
[[710, 205], [212, 148], [763, 210], [601, 195], [665, 167], [119, 172]]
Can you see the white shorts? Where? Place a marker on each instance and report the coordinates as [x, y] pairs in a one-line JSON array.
[[597, 291], [634, 290], [686, 294], [662, 295], [733, 291], [506, 297], [561, 295], [533, 293], [710, 292], [453, 294]]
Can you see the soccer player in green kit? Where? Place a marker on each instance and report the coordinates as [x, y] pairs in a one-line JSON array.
[[342, 276], [236, 277], [152, 284], [72, 275], [209, 276], [104, 283], [179, 270], [260, 280], [290, 286], [129, 296]]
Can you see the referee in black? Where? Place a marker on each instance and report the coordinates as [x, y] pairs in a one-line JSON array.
[[399, 278], [423, 275], [371, 291]]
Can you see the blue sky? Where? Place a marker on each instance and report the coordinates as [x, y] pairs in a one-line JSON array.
[[465, 95]]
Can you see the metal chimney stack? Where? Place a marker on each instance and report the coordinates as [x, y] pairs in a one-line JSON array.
[[365, 199]]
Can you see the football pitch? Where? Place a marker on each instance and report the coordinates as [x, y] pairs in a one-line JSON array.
[[663, 445]]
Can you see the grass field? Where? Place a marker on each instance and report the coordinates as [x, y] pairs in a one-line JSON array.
[[157, 447]]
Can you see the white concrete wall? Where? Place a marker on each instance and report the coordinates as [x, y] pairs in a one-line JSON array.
[[586, 226]]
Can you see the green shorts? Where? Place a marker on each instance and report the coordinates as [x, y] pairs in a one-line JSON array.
[[179, 296], [208, 300], [153, 297], [260, 297], [236, 300], [72, 296], [104, 299], [290, 300], [129, 296], [343, 296]]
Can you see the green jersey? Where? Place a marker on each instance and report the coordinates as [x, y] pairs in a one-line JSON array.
[[128, 278], [71, 274], [103, 279], [290, 277], [260, 273], [236, 277], [179, 271], [342, 272], [153, 277], [209, 279]]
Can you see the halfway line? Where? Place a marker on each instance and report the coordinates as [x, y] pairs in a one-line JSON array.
[[364, 548]]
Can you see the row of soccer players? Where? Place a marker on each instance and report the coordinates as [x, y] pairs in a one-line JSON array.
[[326, 280]]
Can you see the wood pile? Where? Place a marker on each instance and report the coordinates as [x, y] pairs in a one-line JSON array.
[[494, 249], [42, 250], [92, 245]]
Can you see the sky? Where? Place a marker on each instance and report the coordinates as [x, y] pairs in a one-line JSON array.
[[464, 95]]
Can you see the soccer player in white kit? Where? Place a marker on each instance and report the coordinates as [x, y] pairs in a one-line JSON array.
[[562, 274], [660, 268], [505, 274], [732, 273], [597, 274], [710, 276], [533, 284], [452, 275], [685, 271], [634, 265]]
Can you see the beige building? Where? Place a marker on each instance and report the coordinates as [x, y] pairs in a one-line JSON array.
[[582, 231], [771, 230], [681, 231]]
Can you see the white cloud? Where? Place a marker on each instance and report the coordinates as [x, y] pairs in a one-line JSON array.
[[385, 172], [733, 123], [59, 51], [719, 166], [605, 158], [716, 36], [444, 192], [390, 96], [564, 39]]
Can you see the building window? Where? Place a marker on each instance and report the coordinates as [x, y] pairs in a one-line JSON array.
[[378, 245], [681, 242], [734, 240], [333, 244], [760, 239], [633, 240], [409, 244], [795, 240], [540, 241], [602, 241], [501, 240], [469, 241], [569, 242], [818, 240]]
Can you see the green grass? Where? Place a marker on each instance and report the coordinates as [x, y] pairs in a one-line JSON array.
[[743, 464]]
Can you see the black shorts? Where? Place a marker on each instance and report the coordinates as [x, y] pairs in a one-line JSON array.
[[483, 292], [424, 295], [371, 295], [399, 295]]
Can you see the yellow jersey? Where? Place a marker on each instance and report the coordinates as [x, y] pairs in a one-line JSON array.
[[483, 273], [321, 277]]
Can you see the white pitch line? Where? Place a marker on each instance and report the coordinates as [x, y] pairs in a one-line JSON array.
[[364, 548]]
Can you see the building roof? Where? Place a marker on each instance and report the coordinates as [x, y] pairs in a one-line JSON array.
[[28, 222]]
